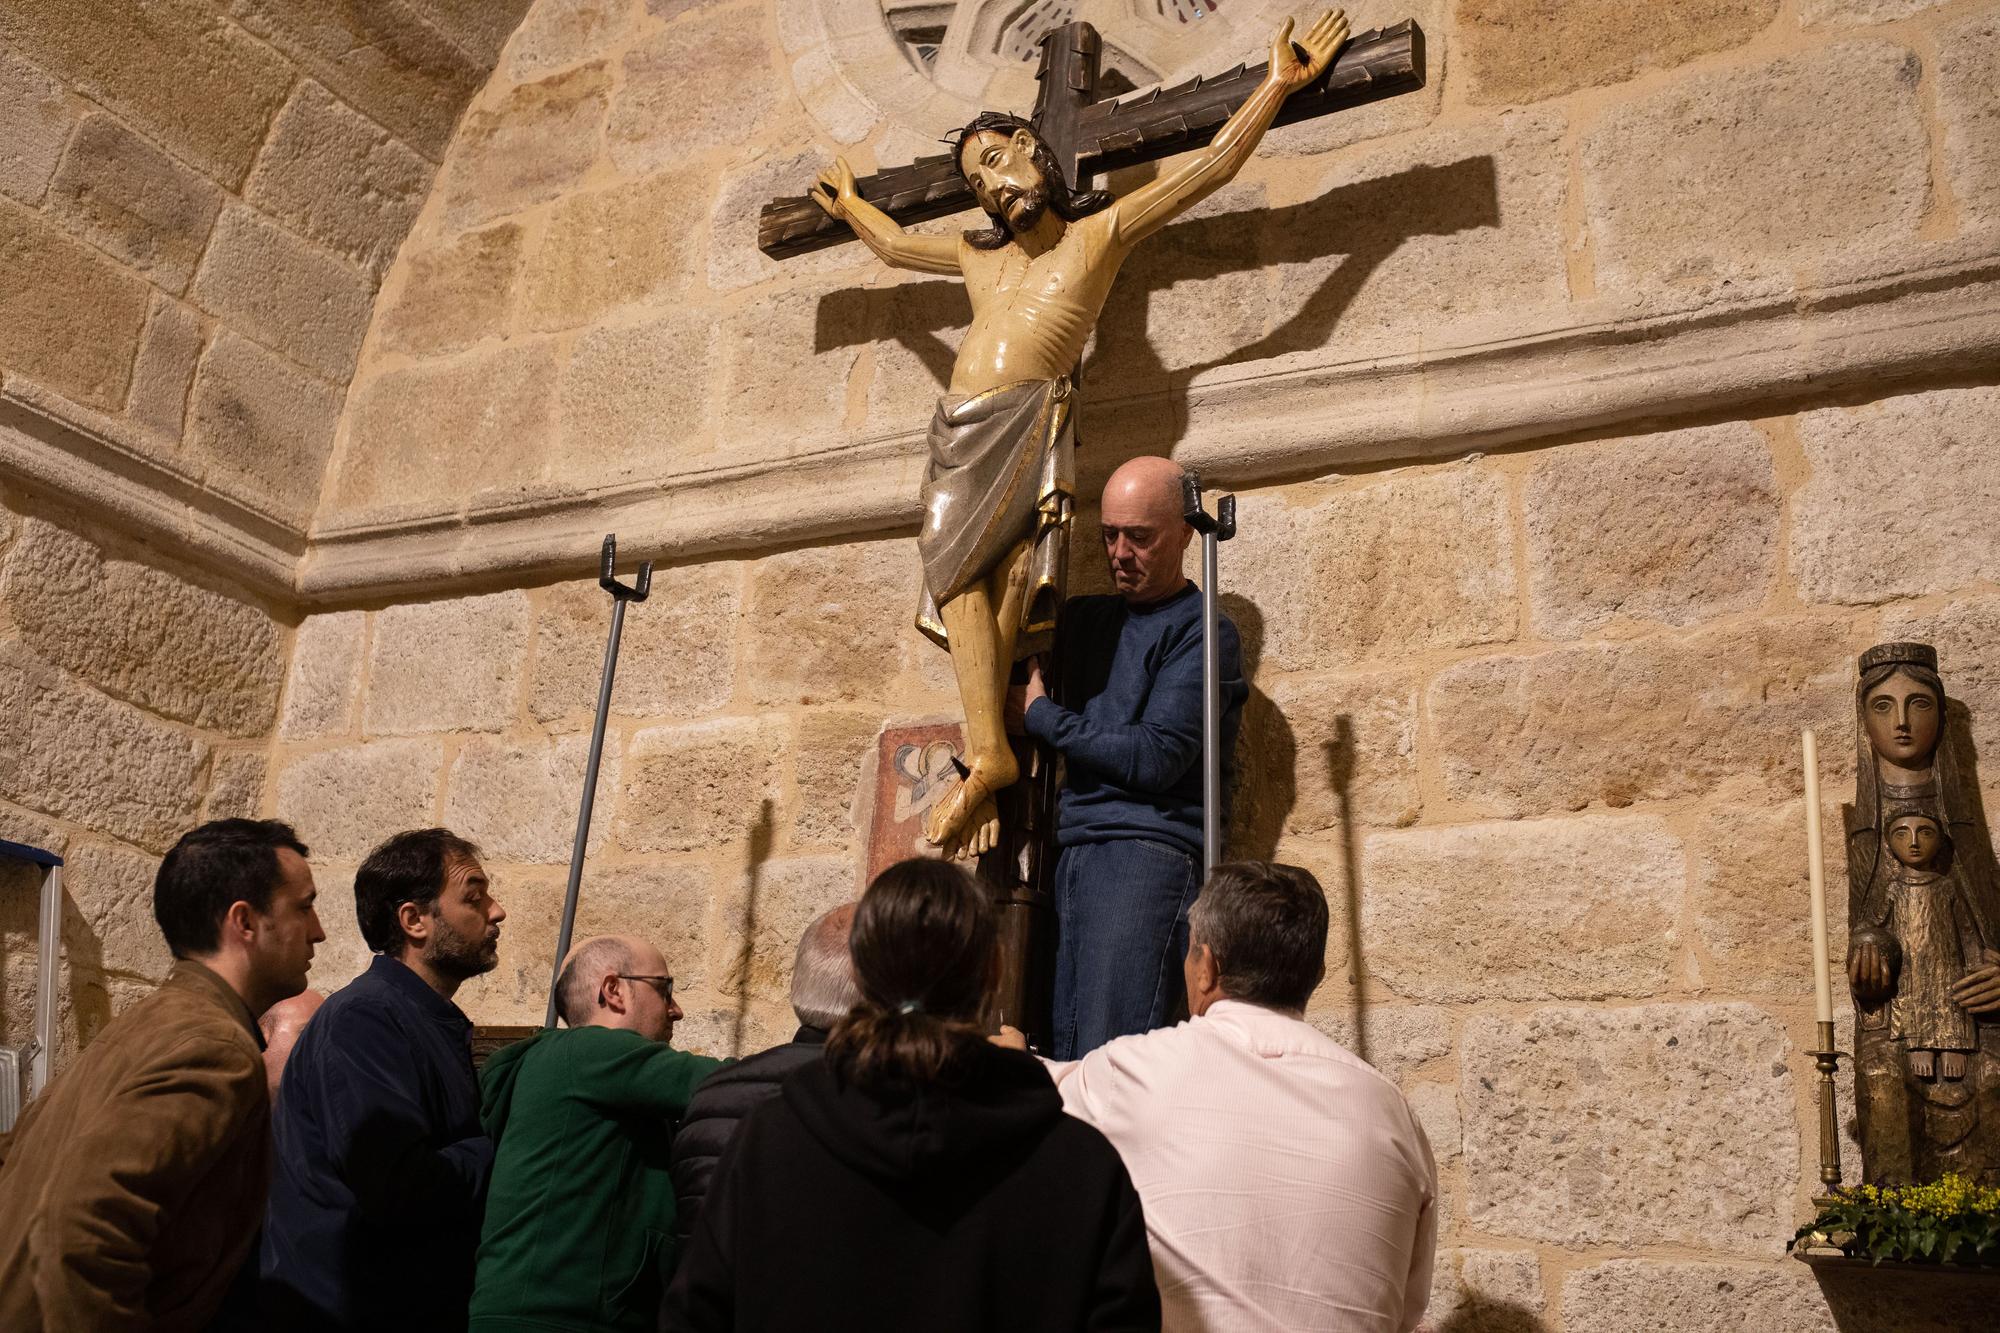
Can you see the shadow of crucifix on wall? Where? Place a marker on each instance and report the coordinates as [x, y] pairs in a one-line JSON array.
[[1350, 232]]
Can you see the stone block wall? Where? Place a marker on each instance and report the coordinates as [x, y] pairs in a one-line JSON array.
[[137, 698], [197, 203], [1596, 211], [1532, 717], [1591, 410]]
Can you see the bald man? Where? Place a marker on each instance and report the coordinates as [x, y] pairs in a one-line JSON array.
[[281, 1025], [1126, 718], [579, 1230]]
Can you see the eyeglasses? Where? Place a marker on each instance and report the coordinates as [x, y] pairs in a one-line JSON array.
[[664, 985]]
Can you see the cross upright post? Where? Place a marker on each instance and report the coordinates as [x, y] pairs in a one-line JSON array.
[[1068, 88]]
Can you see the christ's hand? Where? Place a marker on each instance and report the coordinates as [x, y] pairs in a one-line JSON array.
[[1201, 173], [835, 189], [1320, 44], [836, 193]]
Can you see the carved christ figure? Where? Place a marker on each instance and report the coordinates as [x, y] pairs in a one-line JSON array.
[[997, 488]]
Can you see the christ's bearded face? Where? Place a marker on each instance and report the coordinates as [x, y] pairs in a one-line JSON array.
[[1005, 179]]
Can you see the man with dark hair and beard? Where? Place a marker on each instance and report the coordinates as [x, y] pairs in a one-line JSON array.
[[1000, 482], [381, 1169]]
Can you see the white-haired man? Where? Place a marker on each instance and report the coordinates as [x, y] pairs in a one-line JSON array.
[[580, 1218], [823, 991], [1286, 1183]]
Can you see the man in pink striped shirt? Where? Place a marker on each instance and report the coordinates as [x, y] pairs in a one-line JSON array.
[[1287, 1185]]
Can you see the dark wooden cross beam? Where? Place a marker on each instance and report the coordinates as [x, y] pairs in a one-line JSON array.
[[1090, 137]]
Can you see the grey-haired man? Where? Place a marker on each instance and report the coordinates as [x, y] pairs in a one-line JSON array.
[[823, 990]]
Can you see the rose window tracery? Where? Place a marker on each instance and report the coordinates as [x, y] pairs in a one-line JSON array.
[[1187, 11], [924, 67], [960, 46], [1021, 38]]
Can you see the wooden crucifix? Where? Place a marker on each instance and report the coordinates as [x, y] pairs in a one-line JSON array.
[[997, 492]]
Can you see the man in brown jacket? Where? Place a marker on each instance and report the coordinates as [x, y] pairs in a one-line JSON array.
[[132, 1188]]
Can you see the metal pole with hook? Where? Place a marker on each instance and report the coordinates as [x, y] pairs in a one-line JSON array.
[[1214, 531], [607, 579]]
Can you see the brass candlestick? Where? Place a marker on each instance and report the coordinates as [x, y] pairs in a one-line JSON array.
[[1827, 1061]]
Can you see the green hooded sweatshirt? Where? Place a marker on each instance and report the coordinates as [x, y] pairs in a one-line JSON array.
[[580, 1214]]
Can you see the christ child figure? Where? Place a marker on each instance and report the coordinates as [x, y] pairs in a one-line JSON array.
[[1939, 945]]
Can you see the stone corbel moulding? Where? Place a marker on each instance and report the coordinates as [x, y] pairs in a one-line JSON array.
[[101, 467], [1247, 425]]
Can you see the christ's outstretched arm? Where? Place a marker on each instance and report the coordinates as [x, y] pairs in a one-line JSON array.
[[1200, 174], [895, 247]]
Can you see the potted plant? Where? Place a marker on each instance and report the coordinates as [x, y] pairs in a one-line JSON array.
[[1895, 1257]]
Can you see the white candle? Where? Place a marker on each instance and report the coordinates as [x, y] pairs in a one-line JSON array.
[[1816, 874]]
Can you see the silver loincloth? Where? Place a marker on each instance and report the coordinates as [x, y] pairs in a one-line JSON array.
[[1002, 471]]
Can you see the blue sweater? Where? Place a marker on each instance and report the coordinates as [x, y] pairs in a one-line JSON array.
[[1130, 727]]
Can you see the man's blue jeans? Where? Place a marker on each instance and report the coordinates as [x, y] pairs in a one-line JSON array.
[[1121, 935]]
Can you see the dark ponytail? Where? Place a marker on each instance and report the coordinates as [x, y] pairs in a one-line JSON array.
[[923, 950]]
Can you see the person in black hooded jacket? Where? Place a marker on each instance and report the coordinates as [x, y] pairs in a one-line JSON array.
[[918, 1178]]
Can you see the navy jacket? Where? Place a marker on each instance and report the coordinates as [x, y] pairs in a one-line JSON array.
[[1129, 726], [381, 1165], [717, 1110]]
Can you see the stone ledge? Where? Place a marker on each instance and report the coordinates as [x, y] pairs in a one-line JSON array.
[[108, 468], [1255, 425], [1249, 425]]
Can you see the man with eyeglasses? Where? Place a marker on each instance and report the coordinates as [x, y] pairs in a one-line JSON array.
[[579, 1230]]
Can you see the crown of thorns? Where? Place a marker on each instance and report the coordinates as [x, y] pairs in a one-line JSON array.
[[990, 120]]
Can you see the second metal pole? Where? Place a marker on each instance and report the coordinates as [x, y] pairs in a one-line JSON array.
[[589, 800], [1214, 529], [1211, 712], [620, 594]]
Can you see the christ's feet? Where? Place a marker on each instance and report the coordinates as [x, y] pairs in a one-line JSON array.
[[965, 822], [978, 835], [1922, 1065]]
